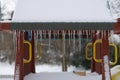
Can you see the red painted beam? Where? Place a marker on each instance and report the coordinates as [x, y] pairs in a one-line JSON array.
[[19, 66], [23, 69], [96, 67], [117, 27], [105, 52], [29, 67], [4, 26]]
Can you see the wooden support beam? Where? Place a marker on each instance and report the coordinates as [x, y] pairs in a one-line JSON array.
[[95, 66], [4, 26], [117, 27], [29, 67], [102, 50], [18, 74], [106, 73], [21, 68]]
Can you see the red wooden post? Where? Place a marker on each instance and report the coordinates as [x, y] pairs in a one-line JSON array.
[[23, 69], [117, 27], [18, 74], [4, 26], [96, 67], [102, 50], [106, 74], [29, 67]]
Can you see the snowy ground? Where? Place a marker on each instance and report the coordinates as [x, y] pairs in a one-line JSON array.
[[7, 69], [6, 78], [61, 76]]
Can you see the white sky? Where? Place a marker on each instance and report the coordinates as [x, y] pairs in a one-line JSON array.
[[62, 11]]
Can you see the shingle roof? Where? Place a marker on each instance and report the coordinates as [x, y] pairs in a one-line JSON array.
[[62, 26]]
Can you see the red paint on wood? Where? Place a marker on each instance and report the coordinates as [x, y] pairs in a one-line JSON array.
[[22, 69], [105, 51], [96, 67], [102, 49], [4, 26], [117, 27], [29, 67], [18, 75]]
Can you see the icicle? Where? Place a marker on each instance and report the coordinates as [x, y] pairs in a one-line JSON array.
[[87, 34], [42, 32], [49, 50], [35, 33], [14, 37], [54, 34], [102, 34], [97, 34], [58, 34], [77, 39], [113, 37], [2, 38], [83, 32], [31, 35], [74, 40], [49, 38], [105, 34], [90, 35], [80, 33], [108, 33], [40, 35], [18, 40], [69, 36], [36, 39], [45, 34], [15, 40]]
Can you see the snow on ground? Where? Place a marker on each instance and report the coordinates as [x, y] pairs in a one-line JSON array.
[[60, 76], [6, 79], [51, 70], [6, 69], [54, 68]]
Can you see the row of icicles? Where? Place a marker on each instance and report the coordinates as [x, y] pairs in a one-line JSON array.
[[69, 35]]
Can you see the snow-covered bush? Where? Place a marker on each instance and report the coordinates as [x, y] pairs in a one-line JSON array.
[[7, 8], [114, 38]]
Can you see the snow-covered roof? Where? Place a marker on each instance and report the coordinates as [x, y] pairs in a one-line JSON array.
[[62, 11]]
